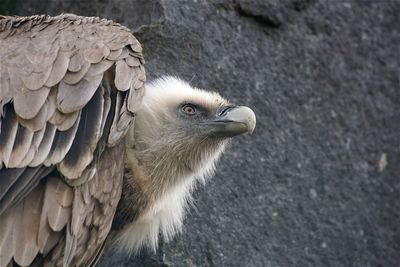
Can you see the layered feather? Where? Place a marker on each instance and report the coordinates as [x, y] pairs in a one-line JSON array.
[[51, 69], [68, 92]]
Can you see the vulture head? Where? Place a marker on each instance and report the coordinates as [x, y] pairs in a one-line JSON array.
[[178, 134]]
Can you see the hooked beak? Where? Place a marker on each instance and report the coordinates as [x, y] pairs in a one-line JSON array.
[[231, 121]]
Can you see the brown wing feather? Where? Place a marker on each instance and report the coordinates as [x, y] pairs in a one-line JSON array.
[[61, 144], [9, 128], [81, 152], [20, 183], [92, 213], [69, 87], [22, 143], [61, 61], [37, 139]]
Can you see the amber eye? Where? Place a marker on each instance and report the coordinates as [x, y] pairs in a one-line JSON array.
[[188, 109]]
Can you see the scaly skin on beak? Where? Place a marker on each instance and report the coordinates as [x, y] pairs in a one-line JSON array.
[[231, 121]]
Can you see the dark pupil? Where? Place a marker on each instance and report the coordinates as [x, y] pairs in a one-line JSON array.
[[189, 109]]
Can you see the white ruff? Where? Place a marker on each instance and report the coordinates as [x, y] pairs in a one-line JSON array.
[[165, 215]]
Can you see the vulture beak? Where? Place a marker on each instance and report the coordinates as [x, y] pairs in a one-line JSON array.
[[231, 121]]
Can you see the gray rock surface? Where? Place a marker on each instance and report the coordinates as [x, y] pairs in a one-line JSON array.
[[318, 184]]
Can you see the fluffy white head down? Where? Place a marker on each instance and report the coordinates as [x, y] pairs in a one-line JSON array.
[[166, 214], [165, 94]]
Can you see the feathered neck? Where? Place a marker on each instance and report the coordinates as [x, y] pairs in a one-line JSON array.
[[158, 186]]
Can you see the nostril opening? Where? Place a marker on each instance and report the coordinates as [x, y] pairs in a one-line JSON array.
[[224, 110]]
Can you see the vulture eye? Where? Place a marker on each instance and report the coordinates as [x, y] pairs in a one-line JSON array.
[[188, 109]]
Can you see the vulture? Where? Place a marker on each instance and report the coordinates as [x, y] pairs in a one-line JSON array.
[[89, 153]]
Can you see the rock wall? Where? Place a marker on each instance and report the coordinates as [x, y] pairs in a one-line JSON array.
[[318, 183]]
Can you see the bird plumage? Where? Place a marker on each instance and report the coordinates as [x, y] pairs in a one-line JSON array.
[[85, 155], [166, 159], [69, 87]]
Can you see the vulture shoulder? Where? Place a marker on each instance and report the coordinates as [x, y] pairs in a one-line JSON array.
[[69, 87]]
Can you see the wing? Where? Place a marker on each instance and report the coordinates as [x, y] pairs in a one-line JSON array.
[[69, 87]]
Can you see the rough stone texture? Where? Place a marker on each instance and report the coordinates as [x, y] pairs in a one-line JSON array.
[[318, 183]]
